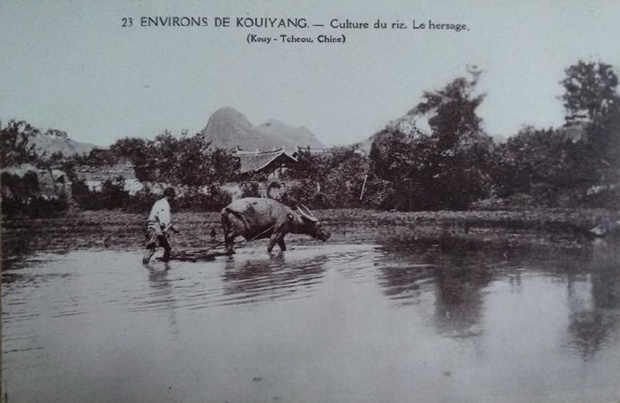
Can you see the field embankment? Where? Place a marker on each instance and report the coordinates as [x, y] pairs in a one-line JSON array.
[[115, 229]]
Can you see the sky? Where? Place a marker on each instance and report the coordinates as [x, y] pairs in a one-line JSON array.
[[71, 66]]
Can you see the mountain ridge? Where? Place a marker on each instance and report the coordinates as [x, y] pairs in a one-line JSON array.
[[230, 129], [48, 144]]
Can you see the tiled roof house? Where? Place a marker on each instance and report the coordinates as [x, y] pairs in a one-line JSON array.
[[271, 163]]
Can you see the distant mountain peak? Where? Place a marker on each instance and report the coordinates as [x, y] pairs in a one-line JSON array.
[[227, 111], [230, 129]]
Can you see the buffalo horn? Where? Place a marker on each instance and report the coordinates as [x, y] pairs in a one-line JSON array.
[[305, 211]]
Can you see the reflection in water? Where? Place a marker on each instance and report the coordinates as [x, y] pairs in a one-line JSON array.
[[404, 283], [460, 298], [594, 301], [159, 281], [364, 323], [404, 269], [458, 273], [162, 296], [270, 278]]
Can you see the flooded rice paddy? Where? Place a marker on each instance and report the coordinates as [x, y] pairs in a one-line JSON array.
[[392, 320]]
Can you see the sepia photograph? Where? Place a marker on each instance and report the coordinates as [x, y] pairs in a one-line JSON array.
[[270, 201]]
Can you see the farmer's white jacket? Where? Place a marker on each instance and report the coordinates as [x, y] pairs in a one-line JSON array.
[[160, 218]]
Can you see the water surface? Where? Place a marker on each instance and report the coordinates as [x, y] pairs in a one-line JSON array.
[[399, 322]]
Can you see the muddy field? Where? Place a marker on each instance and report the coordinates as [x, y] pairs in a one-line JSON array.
[[86, 229], [430, 307]]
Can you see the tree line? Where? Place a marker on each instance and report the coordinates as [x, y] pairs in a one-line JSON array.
[[436, 157], [439, 157]]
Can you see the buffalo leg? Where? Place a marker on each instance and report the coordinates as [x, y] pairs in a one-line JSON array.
[[275, 238], [272, 243]]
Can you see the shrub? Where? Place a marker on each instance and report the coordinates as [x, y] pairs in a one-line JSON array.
[[196, 200], [249, 189], [379, 194], [112, 195], [21, 197]]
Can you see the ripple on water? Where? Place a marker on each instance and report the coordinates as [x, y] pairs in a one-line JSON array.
[[457, 320]]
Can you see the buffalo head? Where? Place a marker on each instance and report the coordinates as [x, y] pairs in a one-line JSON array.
[[310, 225]]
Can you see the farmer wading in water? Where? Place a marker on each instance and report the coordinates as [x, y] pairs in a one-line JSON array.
[[158, 225]]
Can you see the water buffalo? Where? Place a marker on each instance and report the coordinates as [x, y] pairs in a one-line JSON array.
[[256, 218]]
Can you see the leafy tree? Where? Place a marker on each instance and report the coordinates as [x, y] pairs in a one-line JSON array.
[[391, 153], [134, 149], [312, 166], [452, 111], [590, 91], [186, 160], [329, 179], [191, 164], [113, 193], [15, 146], [344, 178], [394, 161], [591, 96], [445, 168], [221, 165], [198, 165], [21, 188], [167, 149], [545, 164], [603, 135], [141, 155]]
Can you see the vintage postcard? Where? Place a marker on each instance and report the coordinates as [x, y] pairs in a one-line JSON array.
[[269, 201]]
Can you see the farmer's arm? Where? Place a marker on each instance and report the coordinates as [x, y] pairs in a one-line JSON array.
[[173, 229], [166, 222]]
